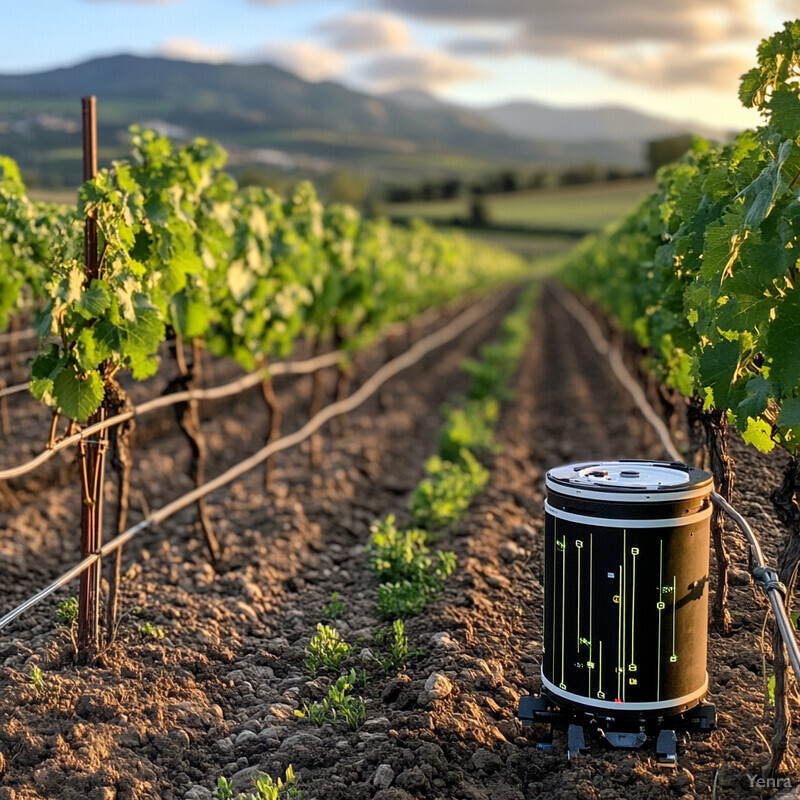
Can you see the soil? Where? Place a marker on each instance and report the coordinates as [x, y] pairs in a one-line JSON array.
[[216, 696]]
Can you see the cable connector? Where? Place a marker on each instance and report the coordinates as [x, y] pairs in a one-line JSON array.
[[767, 578]]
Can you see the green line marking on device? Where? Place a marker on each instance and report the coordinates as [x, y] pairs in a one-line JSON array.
[[590, 663], [660, 607], [579, 547], [634, 553], [563, 602], [674, 657], [624, 607], [600, 693], [619, 636]]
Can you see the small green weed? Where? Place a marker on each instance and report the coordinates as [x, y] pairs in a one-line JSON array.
[[399, 654], [150, 631], [326, 651], [441, 499], [334, 608], [405, 599], [470, 428], [266, 788], [67, 620], [67, 612], [397, 555], [36, 677], [411, 577], [339, 705]]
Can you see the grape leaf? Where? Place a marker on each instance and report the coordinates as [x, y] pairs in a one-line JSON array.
[[78, 396], [790, 413], [784, 106], [758, 432], [717, 366], [759, 392], [782, 341], [94, 300]]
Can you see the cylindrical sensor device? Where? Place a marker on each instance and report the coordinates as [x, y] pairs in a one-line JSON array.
[[626, 587]]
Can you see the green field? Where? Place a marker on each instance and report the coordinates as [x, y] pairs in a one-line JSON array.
[[524, 244], [587, 207]]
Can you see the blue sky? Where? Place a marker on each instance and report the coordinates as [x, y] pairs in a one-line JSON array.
[[679, 59]]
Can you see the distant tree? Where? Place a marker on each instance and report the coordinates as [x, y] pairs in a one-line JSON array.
[[429, 191], [586, 173], [509, 181], [542, 179], [664, 151], [478, 210], [451, 188], [399, 194]]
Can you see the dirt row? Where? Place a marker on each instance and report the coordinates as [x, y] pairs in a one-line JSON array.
[[217, 696]]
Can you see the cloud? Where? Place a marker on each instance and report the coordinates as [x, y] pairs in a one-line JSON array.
[[551, 26], [308, 60], [567, 28], [483, 46], [363, 32], [674, 68], [192, 50], [426, 71], [632, 40]]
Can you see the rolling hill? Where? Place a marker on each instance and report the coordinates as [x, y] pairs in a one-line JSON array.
[[263, 115]]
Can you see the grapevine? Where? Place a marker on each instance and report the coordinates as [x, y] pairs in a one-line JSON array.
[[705, 274]]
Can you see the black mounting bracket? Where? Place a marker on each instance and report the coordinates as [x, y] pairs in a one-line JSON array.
[[618, 732]]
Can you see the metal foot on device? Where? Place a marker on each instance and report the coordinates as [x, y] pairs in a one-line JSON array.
[[667, 749], [623, 740], [577, 744], [617, 732]]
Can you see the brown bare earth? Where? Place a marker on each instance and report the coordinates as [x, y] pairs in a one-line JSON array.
[[216, 697]]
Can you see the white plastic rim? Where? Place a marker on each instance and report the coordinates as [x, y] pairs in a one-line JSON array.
[[604, 522], [624, 482], [626, 497], [590, 703]]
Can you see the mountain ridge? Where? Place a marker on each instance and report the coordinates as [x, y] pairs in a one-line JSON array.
[[260, 111]]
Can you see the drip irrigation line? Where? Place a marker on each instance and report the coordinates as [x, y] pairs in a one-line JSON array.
[[16, 389], [764, 575], [215, 393], [17, 336], [413, 355]]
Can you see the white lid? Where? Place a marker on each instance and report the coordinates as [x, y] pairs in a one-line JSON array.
[[627, 477]]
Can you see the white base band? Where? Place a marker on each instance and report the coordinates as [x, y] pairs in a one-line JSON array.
[[601, 522], [609, 705]]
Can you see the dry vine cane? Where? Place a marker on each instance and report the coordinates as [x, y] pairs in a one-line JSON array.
[[121, 460], [188, 417], [275, 417]]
